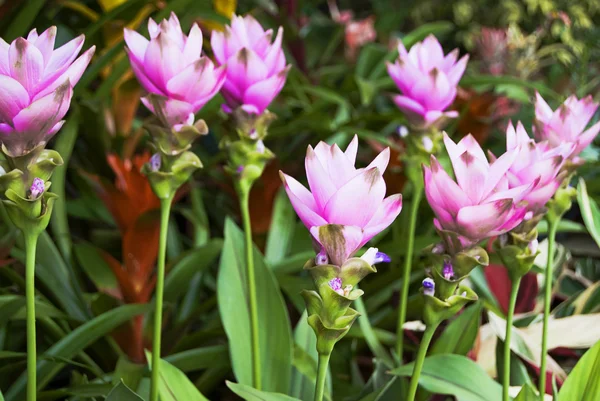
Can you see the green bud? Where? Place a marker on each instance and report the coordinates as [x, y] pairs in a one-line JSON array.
[[560, 203], [436, 310], [173, 175]]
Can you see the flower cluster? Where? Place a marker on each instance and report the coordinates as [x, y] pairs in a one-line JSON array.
[[428, 81]]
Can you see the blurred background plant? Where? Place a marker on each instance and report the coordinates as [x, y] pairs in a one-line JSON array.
[[95, 274]]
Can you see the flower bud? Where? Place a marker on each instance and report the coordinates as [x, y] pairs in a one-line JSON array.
[[428, 287], [533, 246], [373, 257], [322, 259], [447, 270], [155, 162], [402, 131], [36, 189], [427, 144], [336, 285]]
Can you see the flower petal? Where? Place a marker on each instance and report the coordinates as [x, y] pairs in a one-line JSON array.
[[193, 45], [352, 150], [138, 69], [477, 222], [318, 179], [26, 63], [245, 68], [340, 242], [357, 201], [387, 212], [64, 55], [381, 161], [45, 43], [163, 60], [4, 63], [14, 98], [73, 74], [262, 93], [303, 202], [136, 43]]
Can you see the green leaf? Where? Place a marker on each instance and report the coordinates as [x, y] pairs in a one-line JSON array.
[[251, 394], [73, 343], [91, 261], [455, 375], [527, 393], [372, 341], [583, 384], [459, 337], [200, 358], [433, 28], [275, 334], [122, 393], [281, 232], [189, 264], [13, 307], [128, 373], [21, 23], [174, 384], [589, 211], [59, 222], [476, 80]]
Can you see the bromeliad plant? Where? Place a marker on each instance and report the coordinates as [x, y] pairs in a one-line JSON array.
[[256, 71], [343, 210], [179, 81], [36, 88]]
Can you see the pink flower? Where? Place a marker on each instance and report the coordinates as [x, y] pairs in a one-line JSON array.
[[480, 203], [535, 161], [172, 70], [346, 207], [427, 80], [256, 70], [36, 86], [567, 123]]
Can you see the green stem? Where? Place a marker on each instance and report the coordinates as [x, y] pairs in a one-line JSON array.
[[414, 381], [244, 206], [165, 210], [414, 207], [321, 376], [552, 227], [509, 322], [30, 246]]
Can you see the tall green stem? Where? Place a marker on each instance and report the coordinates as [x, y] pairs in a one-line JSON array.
[[244, 206], [552, 227], [321, 376], [414, 207], [165, 210], [30, 247], [414, 380], [509, 322]]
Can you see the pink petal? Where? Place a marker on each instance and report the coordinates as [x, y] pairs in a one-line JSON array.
[[171, 112], [14, 98], [26, 63], [497, 171], [73, 74], [436, 200], [245, 68], [41, 115], [318, 179], [477, 222], [381, 161], [449, 61], [431, 53], [340, 242], [586, 138], [64, 55], [163, 60], [32, 36], [194, 81], [217, 43], [456, 73], [136, 43], [357, 201], [219, 74], [303, 202], [467, 143], [471, 175], [352, 150], [153, 29], [450, 195], [389, 209], [45, 43], [193, 45], [4, 63], [140, 74], [410, 107], [262, 93], [543, 112], [275, 58]]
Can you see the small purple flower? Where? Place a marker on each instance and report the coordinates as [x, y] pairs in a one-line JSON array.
[[239, 169], [373, 256], [438, 249], [37, 188], [155, 162], [447, 270], [428, 287], [336, 285], [321, 258], [253, 134], [427, 144]]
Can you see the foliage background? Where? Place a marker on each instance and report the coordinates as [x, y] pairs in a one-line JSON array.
[[95, 272]]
